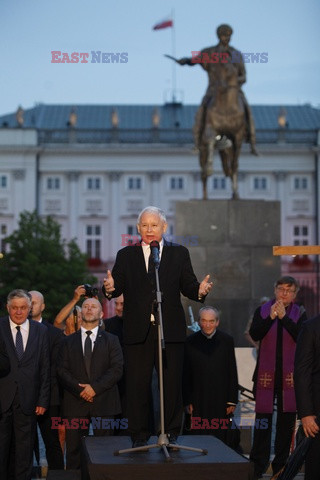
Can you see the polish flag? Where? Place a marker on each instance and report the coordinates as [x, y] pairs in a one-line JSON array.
[[168, 22]]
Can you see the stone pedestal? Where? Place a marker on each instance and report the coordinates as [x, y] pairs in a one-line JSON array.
[[232, 241]]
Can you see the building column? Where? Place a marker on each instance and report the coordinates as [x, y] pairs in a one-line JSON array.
[[115, 234], [281, 196], [241, 183], [73, 213], [19, 193], [155, 188], [196, 176]]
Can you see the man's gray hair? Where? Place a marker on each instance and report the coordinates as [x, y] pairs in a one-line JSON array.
[[19, 293], [208, 308], [154, 211]]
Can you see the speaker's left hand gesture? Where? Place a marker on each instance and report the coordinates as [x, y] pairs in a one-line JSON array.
[[205, 286]]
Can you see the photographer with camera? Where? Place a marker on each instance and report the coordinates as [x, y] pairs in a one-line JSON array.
[[69, 317]]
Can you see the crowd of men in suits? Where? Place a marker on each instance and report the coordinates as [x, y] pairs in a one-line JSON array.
[[51, 379]]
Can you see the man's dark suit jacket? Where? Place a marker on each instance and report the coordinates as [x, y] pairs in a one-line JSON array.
[[4, 359], [56, 337], [31, 375], [307, 369], [106, 371], [131, 278], [114, 325]]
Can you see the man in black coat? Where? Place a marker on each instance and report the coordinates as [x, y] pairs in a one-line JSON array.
[[210, 380], [115, 324], [50, 435], [4, 359], [89, 366], [307, 388], [133, 276], [25, 391]]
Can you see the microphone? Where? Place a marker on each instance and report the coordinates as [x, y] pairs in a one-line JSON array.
[[155, 250]]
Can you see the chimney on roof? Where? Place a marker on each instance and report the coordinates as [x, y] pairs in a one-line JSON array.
[[282, 118], [155, 118], [72, 118], [114, 118], [19, 116]]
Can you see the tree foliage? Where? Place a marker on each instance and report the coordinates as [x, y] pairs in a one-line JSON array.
[[37, 258]]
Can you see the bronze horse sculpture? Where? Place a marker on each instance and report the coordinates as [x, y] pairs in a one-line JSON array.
[[224, 118], [223, 125]]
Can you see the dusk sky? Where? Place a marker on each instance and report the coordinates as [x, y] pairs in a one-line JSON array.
[[287, 30]]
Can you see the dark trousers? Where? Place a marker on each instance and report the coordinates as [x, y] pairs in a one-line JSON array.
[[17, 433], [312, 465], [260, 452], [50, 438], [74, 436], [140, 360]]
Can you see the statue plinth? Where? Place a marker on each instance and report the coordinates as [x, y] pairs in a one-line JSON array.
[[232, 241]]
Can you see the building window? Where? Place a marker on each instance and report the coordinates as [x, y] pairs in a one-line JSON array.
[[3, 181], [53, 183], [134, 183], [260, 183], [94, 183], [176, 183], [300, 183], [93, 241], [219, 183], [301, 235]]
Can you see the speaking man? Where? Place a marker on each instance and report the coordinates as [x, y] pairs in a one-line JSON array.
[[133, 275]]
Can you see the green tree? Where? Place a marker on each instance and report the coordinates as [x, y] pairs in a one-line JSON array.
[[37, 258]]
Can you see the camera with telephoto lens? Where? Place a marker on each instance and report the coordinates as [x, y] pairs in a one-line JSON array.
[[90, 291]]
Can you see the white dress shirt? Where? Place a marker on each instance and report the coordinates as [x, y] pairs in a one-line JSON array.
[[147, 251], [24, 329], [93, 336]]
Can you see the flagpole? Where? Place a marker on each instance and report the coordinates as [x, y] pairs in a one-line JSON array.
[[173, 47]]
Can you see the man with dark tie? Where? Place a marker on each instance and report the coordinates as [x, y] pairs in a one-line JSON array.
[[50, 435], [89, 366], [25, 391], [133, 276]]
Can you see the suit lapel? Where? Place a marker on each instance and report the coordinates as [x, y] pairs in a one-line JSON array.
[[78, 350], [97, 345], [164, 262], [31, 338], [8, 334]]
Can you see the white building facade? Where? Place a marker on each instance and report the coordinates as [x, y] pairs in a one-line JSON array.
[[94, 178]]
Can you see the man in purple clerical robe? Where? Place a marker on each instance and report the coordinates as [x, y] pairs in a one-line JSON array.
[[276, 325]]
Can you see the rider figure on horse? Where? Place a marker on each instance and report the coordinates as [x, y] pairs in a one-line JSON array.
[[208, 59]]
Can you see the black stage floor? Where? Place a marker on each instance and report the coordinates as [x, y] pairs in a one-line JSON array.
[[221, 463]]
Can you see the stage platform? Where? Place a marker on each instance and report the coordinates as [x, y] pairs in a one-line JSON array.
[[221, 462]]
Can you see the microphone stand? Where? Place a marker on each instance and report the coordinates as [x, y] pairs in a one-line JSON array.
[[163, 440]]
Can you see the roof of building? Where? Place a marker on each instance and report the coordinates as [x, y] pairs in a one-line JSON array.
[[169, 116]]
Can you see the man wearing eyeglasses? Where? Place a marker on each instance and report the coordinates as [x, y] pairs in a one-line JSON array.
[[276, 325]]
